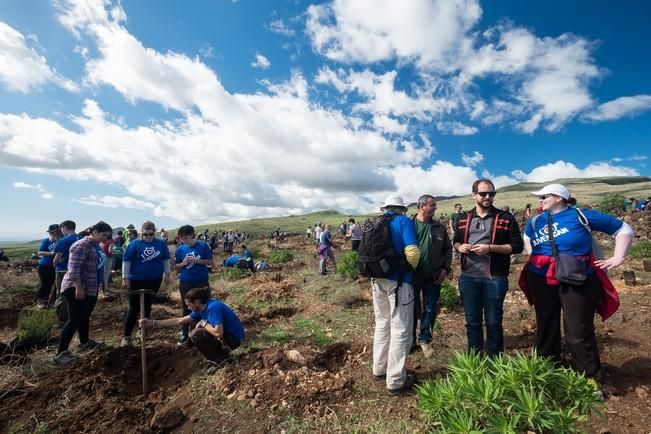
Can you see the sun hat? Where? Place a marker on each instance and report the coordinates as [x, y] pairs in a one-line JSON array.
[[555, 189], [395, 201]]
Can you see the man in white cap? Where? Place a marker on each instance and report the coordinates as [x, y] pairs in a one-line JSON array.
[[393, 301]]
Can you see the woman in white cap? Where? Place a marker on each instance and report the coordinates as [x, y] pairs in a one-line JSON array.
[[564, 273]]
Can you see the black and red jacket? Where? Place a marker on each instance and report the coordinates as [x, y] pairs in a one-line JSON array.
[[505, 230]]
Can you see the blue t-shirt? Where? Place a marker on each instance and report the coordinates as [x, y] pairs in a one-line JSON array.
[[247, 255], [217, 313], [63, 246], [193, 272], [46, 245], [232, 260], [403, 234], [325, 237], [570, 235], [146, 258], [101, 262]]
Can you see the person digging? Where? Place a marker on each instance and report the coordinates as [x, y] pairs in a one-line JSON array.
[[218, 332]]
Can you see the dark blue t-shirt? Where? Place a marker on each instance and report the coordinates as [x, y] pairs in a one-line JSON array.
[[46, 245], [217, 313], [570, 235], [146, 259], [232, 260], [63, 247], [193, 272]]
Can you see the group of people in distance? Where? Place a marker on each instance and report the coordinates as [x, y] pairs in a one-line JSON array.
[[485, 237], [79, 261]]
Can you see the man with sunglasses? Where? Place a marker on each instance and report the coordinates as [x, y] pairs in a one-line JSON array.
[[485, 237]]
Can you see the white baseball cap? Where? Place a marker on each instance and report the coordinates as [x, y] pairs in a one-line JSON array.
[[555, 189], [394, 200]]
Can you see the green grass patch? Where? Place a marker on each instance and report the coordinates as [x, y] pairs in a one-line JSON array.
[[347, 265], [280, 257], [641, 249], [449, 295], [311, 331], [508, 394], [34, 324], [612, 202], [20, 251], [276, 334]]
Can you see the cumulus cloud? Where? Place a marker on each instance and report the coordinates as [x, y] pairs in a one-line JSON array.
[[261, 62], [625, 106], [24, 185], [22, 68], [116, 202], [564, 169], [472, 160]]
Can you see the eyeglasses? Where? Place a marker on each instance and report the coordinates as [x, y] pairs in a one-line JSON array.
[[148, 234], [487, 193], [480, 225]]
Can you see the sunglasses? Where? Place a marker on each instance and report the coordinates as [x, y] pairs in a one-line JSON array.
[[486, 193], [148, 234], [545, 196]]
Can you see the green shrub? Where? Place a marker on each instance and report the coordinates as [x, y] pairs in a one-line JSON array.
[[508, 394], [280, 256], [612, 202], [641, 249], [449, 295], [347, 265], [34, 324], [234, 273]]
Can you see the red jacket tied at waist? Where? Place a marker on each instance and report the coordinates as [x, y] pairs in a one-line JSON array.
[[609, 302]]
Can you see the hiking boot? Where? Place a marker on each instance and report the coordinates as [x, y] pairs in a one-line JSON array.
[[89, 346], [63, 358], [384, 376], [409, 382], [428, 350], [126, 341]]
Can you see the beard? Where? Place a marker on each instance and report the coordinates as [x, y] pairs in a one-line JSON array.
[[484, 204]]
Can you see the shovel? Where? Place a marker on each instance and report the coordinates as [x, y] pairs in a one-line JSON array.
[[143, 353]]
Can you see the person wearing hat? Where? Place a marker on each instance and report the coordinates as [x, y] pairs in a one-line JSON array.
[[45, 269], [393, 303], [572, 236], [485, 236]]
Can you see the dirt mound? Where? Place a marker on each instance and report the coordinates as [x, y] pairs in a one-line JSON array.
[[251, 316], [269, 288], [104, 387], [304, 380]]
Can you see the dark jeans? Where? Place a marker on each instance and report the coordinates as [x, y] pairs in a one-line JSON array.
[[116, 265], [354, 244], [211, 347], [134, 302], [184, 287], [79, 312], [426, 309], [578, 304], [47, 276], [483, 298], [62, 312]]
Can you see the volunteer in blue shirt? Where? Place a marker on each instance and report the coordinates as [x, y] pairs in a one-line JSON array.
[[61, 256], [578, 302], [192, 259], [145, 265], [45, 269], [218, 331]]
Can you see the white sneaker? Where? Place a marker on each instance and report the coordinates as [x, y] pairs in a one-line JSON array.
[[427, 349], [126, 341]]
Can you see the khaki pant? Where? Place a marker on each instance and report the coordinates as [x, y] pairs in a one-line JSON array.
[[393, 330]]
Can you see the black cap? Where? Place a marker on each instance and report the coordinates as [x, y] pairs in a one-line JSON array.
[[52, 228], [131, 227]]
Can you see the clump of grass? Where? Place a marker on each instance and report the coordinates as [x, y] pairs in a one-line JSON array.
[[347, 265], [508, 394], [280, 257], [34, 324], [449, 295], [641, 249], [234, 273]]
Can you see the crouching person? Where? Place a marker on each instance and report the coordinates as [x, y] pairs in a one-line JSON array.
[[219, 330]]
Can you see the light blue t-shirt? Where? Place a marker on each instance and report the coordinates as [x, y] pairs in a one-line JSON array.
[[46, 245], [63, 246], [403, 234], [217, 313], [101, 263], [146, 259], [232, 260], [193, 272]]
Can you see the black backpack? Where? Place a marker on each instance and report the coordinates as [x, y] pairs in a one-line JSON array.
[[377, 257]]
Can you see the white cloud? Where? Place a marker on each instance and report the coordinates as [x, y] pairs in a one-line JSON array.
[[620, 107], [564, 169], [456, 128], [21, 184], [116, 202], [427, 32], [472, 160], [47, 196], [207, 51], [22, 69], [261, 62], [279, 26]]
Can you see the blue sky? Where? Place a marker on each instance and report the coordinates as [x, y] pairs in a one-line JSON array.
[[221, 110]]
